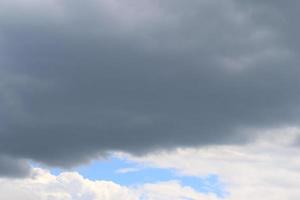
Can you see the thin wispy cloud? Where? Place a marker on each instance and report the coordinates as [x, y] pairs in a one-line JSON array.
[[127, 170]]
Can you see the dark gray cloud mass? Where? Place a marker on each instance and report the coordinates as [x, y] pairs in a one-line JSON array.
[[13, 168], [82, 78]]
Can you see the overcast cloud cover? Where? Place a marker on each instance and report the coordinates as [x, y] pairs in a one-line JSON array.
[[79, 79]]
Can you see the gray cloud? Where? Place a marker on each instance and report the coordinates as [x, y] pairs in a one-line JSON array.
[[79, 79], [13, 168]]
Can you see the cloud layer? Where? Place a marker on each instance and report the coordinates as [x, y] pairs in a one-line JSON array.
[[267, 168], [81, 79], [72, 186]]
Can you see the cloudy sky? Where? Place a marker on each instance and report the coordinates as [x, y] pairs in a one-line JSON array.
[[149, 100]]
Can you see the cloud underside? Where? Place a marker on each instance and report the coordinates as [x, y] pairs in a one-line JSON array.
[[82, 79], [267, 168]]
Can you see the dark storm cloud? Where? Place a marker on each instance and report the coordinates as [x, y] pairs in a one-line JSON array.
[[79, 79], [13, 168]]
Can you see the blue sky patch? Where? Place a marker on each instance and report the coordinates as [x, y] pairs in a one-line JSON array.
[[128, 173]]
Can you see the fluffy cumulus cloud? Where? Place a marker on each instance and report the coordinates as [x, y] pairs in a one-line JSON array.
[[72, 186], [79, 79]]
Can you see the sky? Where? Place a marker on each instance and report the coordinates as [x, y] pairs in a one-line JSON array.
[[149, 100]]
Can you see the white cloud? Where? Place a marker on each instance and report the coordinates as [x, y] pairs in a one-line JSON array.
[[44, 186], [173, 190], [127, 170], [268, 168], [70, 185]]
